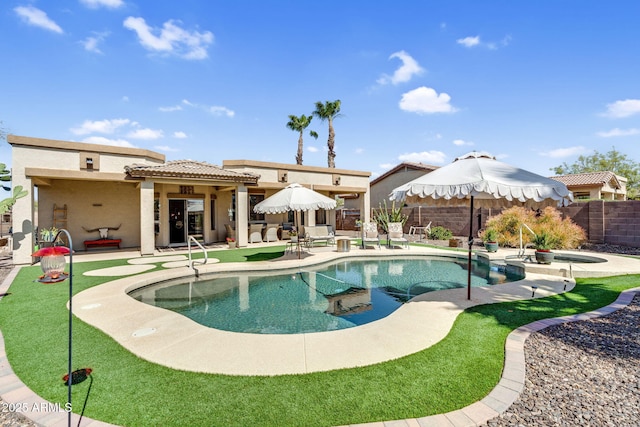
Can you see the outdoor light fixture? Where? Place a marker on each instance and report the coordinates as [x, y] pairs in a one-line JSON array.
[[53, 264], [533, 290]]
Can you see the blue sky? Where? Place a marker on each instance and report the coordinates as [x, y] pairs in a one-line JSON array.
[[536, 83]]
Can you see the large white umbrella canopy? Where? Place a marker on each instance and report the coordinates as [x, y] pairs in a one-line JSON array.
[[479, 176], [491, 183], [294, 197]]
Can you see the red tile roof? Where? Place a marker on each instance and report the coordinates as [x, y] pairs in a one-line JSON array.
[[589, 178], [190, 169]]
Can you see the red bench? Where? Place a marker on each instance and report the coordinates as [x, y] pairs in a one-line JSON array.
[[101, 243]]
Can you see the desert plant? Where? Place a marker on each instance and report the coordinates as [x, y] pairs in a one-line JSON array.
[[440, 233], [490, 235], [383, 215], [564, 232], [543, 241]]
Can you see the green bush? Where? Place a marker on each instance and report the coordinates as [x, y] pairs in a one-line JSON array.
[[440, 233], [564, 233]]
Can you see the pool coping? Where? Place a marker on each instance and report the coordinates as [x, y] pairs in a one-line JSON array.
[[172, 340]]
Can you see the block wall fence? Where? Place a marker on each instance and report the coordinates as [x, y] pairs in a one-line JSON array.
[[612, 222]]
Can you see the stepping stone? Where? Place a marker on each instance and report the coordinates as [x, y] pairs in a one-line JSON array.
[[122, 270], [153, 260]]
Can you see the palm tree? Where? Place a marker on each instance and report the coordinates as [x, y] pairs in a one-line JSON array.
[[299, 124], [328, 111]]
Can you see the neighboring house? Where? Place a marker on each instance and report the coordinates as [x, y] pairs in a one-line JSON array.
[[595, 185], [405, 172], [147, 202]]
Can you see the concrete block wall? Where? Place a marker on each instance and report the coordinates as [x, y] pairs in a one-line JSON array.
[[622, 223]]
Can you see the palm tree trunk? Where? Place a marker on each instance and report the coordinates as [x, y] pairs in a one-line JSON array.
[[299, 154], [331, 154]]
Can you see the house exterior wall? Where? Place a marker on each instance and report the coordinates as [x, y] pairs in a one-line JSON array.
[[115, 204], [381, 189], [55, 167]]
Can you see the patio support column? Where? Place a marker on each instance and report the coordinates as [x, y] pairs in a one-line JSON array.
[[242, 216], [147, 234], [24, 238], [365, 205]]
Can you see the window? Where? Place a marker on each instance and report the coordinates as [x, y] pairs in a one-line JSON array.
[[254, 199]]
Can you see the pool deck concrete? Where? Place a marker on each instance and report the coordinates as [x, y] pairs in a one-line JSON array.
[[171, 340]]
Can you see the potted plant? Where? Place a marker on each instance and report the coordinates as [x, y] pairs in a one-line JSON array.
[[232, 242], [490, 239], [543, 243]]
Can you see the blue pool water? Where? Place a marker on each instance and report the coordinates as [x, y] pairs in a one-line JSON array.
[[334, 296]]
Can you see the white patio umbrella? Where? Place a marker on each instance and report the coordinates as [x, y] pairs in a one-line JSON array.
[[479, 177], [294, 197]]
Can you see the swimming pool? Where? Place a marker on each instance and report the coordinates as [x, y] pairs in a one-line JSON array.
[[337, 295]]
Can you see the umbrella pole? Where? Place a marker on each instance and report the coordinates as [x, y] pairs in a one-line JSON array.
[[470, 244]]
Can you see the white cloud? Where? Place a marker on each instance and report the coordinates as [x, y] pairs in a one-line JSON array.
[[461, 142], [216, 110], [469, 41], [171, 39], [106, 141], [387, 166], [165, 148], [425, 100], [622, 109], [564, 152], [312, 149], [221, 111], [100, 126], [146, 133], [359, 150], [36, 17], [475, 41], [94, 4], [91, 43], [619, 132], [430, 157], [405, 72], [179, 135], [170, 109]]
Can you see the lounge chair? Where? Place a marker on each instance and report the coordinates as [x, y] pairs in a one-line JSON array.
[[255, 233], [396, 235], [422, 230], [271, 233], [370, 234]]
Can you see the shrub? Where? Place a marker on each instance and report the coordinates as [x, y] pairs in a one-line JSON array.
[[564, 233], [440, 233]]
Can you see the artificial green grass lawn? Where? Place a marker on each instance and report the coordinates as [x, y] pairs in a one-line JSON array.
[[457, 371]]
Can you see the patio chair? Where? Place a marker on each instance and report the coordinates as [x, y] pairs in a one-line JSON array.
[[271, 233], [370, 234], [396, 234], [255, 233]]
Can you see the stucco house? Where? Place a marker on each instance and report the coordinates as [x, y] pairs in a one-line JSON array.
[[145, 202], [383, 185], [595, 185]]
